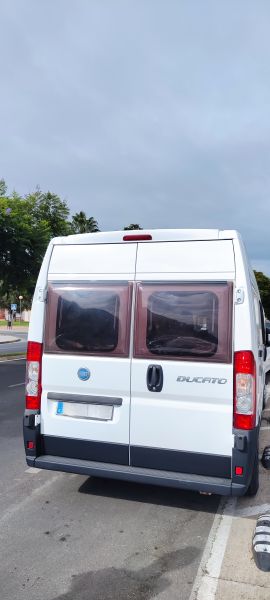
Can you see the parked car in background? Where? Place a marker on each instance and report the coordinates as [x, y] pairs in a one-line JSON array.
[[267, 360]]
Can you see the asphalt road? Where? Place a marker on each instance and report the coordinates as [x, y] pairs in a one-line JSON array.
[[69, 537], [12, 347]]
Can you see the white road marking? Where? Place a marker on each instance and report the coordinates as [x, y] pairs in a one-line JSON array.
[[205, 585], [266, 410], [32, 470], [16, 507], [265, 428], [16, 384]]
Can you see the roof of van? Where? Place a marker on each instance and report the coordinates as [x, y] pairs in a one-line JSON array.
[[157, 235]]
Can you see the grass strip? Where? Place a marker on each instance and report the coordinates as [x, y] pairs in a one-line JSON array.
[[13, 355], [3, 323]]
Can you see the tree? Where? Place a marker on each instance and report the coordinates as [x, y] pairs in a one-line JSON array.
[[3, 187], [23, 241], [26, 227], [49, 208], [132, 226], [264, 288], [81, 224]]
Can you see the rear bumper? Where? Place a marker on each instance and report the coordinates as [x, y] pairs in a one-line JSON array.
[[200, 483]]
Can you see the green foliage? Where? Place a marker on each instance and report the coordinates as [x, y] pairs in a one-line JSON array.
[[264, 287], [132, 226], [23, 241], [51, 209], [3, 187], [81, 224], [26, 227]]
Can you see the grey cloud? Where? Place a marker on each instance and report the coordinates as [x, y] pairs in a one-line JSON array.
[[144, 111]]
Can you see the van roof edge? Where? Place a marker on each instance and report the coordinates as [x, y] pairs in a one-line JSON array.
[[158, 235]]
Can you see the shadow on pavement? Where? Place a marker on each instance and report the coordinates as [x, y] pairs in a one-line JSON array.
[[150, 494]]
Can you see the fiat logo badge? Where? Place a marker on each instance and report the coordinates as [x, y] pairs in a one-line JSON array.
[[83, 374]]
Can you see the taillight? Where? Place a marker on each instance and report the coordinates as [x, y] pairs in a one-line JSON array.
[[33, 375], [244, 390]]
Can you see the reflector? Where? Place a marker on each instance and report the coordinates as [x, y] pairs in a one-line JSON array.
[[31, 445], [239, 470]]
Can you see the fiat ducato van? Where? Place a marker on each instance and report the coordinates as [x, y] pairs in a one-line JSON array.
[[145, 360]]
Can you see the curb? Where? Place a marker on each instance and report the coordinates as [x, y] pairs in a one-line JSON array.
[[10, 341]]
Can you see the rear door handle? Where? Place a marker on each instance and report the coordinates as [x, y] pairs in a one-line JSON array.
[[154, 378]]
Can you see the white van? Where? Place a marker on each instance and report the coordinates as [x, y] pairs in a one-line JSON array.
[[145, 360]]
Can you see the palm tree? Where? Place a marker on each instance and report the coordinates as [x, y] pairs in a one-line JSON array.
[[81, 224]]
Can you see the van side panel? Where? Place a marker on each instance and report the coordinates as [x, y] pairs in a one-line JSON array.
[[36, 326], [244, 321]]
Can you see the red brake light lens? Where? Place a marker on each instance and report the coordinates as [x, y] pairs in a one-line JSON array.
[[137, 237], [33, 375], [244, 390]]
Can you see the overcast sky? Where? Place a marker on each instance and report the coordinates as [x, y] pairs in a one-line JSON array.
[[145, 111]]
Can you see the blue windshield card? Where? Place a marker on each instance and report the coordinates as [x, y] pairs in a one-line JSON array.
[[60, 408]]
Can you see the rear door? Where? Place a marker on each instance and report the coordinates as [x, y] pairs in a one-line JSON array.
[[85, 406], [182, 373]]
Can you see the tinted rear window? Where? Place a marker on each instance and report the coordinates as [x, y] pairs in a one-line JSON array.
[[88, 318], [184, 321]]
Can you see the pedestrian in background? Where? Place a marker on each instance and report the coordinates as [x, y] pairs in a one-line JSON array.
[[9, 321]]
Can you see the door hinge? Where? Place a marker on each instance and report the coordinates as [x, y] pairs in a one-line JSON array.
[[37, 420], [42, 294], [239, 295]]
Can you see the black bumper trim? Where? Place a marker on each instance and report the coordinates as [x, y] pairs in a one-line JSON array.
[[179, 461], [248, 440], [216, 485], [159, 459], [85, 449]]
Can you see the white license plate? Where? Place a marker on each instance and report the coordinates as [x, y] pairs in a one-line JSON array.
[[78, 410]]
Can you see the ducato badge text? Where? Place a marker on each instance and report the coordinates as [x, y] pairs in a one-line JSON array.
[[183, 379]]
